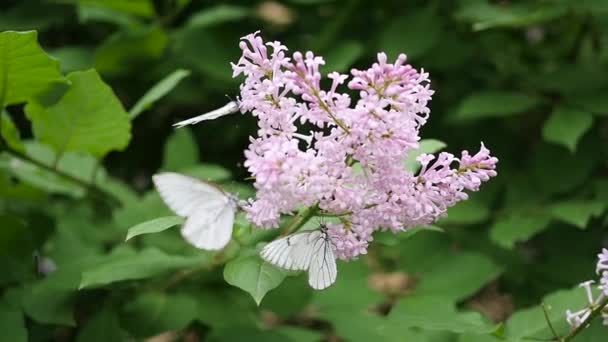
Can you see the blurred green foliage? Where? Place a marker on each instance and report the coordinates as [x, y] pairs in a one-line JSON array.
[[89, 90]]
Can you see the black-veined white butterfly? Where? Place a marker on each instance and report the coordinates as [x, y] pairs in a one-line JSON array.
[[305, 251], [229, 108], [208, 210]]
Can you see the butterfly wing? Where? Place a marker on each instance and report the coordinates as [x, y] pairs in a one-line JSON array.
[[322, 272], [210, 230], [187, 196], [229, 108], [210, 212], [284, 252]]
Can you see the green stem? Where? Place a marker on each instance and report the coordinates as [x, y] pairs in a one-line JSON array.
[[594, 313], [91, 188], [300, 219]]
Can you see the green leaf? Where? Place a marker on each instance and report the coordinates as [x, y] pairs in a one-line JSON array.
[[218, 14], [470, 211], [207, 172], [159, 90], [531, 323], [466, 272], [577, 213], [485, 16], [181, 151], [88, 118], [253, 275], [50, 305], [566, 126], [596, 102], [389, 238], [153, 313], [435, 313], [127, 50], [12, 323], [25, 69], [343, 55], [426, 146], [143, 8], [490, 104], [103, 326], [9, 132], [154, 226], [146, 264], [74, 58], [519, 225], [403, 34], [78, 165]]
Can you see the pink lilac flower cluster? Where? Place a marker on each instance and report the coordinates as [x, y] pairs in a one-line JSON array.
[[318, 147], [575, 319]]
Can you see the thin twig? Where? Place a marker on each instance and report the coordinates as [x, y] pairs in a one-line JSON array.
[[555, 334], [597, 310], [91, 188]]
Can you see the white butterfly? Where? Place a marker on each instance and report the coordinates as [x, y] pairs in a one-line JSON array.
[[209, 211], [305, 251], [229, 108]]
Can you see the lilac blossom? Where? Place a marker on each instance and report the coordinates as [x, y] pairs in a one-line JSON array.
[[575, 319], [348, 161]]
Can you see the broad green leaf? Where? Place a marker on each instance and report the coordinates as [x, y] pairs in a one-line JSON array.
[[435, 313], [297, 289], [253, 275], [158, 91], [102, 327], [9, 132], [342, 56], [426, 146], [49, 305], [390, 238], [485, 16], [127, 50], [531, 323], [349, 294], [25, 69], [466, 272], [146, 264], [32, 15], [180, 151], [88, 118], [566, 126], [567, 171], [470, 211], [143, 8], [152, 313], [489, 104], [154, 226], [92, 14], [218, 14], [577, 213], [78, 165], [148, 207], [74, 58], [207, 172], [414, 33], [225, 306], [519, 225], [12, 323], [191, 47], [250, 332], [596, 102]]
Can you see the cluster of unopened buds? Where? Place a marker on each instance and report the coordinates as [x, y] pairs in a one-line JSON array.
[[318, 148], [576, 319]]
